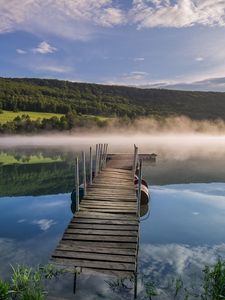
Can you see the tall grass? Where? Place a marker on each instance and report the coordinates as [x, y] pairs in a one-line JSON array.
[[27, 283], [210, 287]]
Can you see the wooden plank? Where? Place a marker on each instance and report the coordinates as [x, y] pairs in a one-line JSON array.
[[94, 256], [126, 212], [97, 264], [104, 250], [80, 237], [109, 198], [101, 232], [103, 235], [107, 216], [101, 244], [103, 221], [110, 189], [70, 268], [103, 226], [118, 204], [109, 203], [106, 186]]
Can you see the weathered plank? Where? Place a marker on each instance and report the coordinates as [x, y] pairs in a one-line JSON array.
[[91, 237], [103, 235], [110, 198], [103, 226], [104, 250], [107, 216], [103, 221], [98, 264], [101, 232], [100, 244], [94, 256], [108, 210]]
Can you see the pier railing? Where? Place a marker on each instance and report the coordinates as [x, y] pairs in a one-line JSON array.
[[99, 159]]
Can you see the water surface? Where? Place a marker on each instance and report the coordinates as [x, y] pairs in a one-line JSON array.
[[182, 230]]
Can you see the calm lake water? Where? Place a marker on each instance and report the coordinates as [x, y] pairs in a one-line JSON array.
[[182, 229]]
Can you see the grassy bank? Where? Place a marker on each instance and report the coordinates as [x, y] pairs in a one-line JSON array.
[[7, 116], [7, 159]]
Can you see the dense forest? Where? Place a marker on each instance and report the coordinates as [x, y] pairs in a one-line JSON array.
[[75, 100]]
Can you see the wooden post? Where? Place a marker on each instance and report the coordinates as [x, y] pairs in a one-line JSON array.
[[100, 157], [139, 187], [106, 153], [135, 159], [84, 173], [96, 160], [77, 184], [135, 284], [75, 281], [91, 171]]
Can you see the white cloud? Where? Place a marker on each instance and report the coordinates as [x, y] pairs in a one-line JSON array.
[[44, 224], [72, 19], [195, 213], [52, 68], [44, 48], [199, 58], [77, 19], [181, 13], [131, 78], [21, 221], [162, 263], [139, 59], [208, 84], [21, 51]]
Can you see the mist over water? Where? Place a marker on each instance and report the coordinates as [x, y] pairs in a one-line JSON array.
[[177, 137], [179, 146]]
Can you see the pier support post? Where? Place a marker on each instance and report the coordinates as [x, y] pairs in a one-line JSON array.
[[96, 159], [135, 159], [84, 173], [100, 157], [75, 281], [91, 170], [139, 188], [77, 184]]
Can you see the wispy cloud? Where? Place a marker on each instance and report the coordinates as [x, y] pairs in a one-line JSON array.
[[67, 18], [208, 84], [44, 48], [79, 19], [44, 224], [52, 68], [21, 51], [199, 58], [179, 13], [138, 59], [163, 262]]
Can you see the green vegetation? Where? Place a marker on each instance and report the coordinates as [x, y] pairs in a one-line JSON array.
[[71, 120], [36, 179], [30, 284], [27, 283], [7, 159], [211, 286], [63, 105], [7, 116], [57, 96]]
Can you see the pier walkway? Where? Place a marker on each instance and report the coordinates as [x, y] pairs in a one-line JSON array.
[[103, 235]]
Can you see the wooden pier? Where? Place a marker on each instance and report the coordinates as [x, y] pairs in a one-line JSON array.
[[103, 235]]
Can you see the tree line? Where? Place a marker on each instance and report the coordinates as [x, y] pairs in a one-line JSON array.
[[58, 96], [24, 124]]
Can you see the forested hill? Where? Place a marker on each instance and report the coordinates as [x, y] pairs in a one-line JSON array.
[[47, 95]]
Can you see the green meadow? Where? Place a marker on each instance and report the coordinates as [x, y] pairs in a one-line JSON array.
[[7, 159], [6, 116]]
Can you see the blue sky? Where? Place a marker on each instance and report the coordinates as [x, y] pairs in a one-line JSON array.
[[156, 43]]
